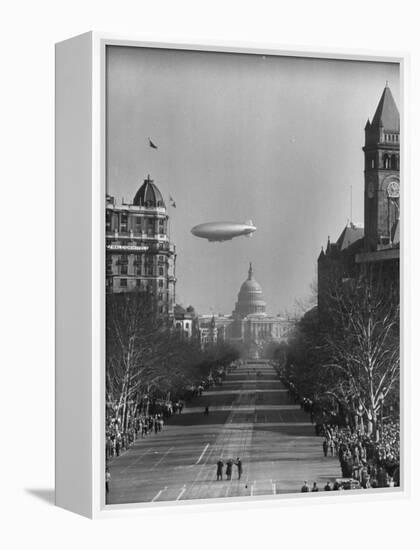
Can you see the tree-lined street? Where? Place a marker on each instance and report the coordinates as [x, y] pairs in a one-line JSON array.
[[250, 416]]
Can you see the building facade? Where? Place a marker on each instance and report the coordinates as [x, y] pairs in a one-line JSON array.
[[185, 322], [382, 174], [213, 329], [252, 328], [139, 253], [372, 250]]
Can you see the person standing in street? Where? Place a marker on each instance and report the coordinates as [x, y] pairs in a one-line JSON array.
[[314, 488], [229, 466], [327, 486], [239, 466], [305, 488], [107, 480], [219, 471]]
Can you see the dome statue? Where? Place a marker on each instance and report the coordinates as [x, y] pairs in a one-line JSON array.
[[250, 297]]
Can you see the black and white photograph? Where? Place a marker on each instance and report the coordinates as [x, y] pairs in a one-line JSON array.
[[252, 257]]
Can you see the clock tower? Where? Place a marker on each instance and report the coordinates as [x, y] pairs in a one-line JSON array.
[[382, 173]]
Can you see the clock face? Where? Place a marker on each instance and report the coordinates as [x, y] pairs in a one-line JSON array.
[[371, 189], [393, 189]]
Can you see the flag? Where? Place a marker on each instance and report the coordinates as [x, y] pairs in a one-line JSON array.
[[152, 145], [172, 202]]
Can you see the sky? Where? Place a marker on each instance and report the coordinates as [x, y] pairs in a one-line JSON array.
[[273, 139]]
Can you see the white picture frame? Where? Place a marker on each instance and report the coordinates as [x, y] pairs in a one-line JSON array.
[[80, 265]]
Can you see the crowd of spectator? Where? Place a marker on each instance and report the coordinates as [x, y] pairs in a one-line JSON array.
[[364, 461], [372, 463], [118, 440], [143, 424]]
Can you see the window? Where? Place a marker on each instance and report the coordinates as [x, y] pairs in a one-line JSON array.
[[108, 220], [160, 296], [138, 282], [160, 283], [123, 223], [161, 271], [123, 282], [124, 269]]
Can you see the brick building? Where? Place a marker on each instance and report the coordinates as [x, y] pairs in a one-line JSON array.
[[375, 248]]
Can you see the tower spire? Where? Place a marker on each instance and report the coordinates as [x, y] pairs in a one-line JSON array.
[[250, 272]]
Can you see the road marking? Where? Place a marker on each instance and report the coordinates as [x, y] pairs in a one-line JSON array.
[[252, 488], [273, 486], [160, 460], [203, 453], [137, 459], [159, 493], [182, 492]]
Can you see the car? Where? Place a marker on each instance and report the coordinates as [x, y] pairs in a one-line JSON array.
[[347, 483]]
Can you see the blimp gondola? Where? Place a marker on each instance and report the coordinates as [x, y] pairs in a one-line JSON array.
[[223, 231]]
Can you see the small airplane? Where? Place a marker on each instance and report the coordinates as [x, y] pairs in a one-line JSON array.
[[223, 231]]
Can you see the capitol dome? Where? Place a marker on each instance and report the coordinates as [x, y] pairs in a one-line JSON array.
[[250, 297], [149, 195]]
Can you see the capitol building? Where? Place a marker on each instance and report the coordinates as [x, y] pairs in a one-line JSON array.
[[252, 328]]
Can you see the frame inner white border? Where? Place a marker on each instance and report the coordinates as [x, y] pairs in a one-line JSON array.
[[100, 42]]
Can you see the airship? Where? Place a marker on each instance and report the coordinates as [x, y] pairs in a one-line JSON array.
[[223, 231]]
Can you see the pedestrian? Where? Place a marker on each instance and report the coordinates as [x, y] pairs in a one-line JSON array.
[[206, 411], [305, 488], [219, 471], [107, 480], [314, 488], [327, 486], [239, 466], [325, 447], [229, 465]]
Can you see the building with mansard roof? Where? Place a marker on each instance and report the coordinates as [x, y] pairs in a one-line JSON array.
[[139, 253]]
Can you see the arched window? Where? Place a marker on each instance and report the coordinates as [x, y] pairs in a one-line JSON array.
[[386, 161], [393, 162]]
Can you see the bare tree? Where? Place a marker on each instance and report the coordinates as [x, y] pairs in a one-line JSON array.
[[361, 345], [145, 359]]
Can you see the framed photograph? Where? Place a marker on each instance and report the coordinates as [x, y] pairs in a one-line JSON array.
[[229, 228]]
